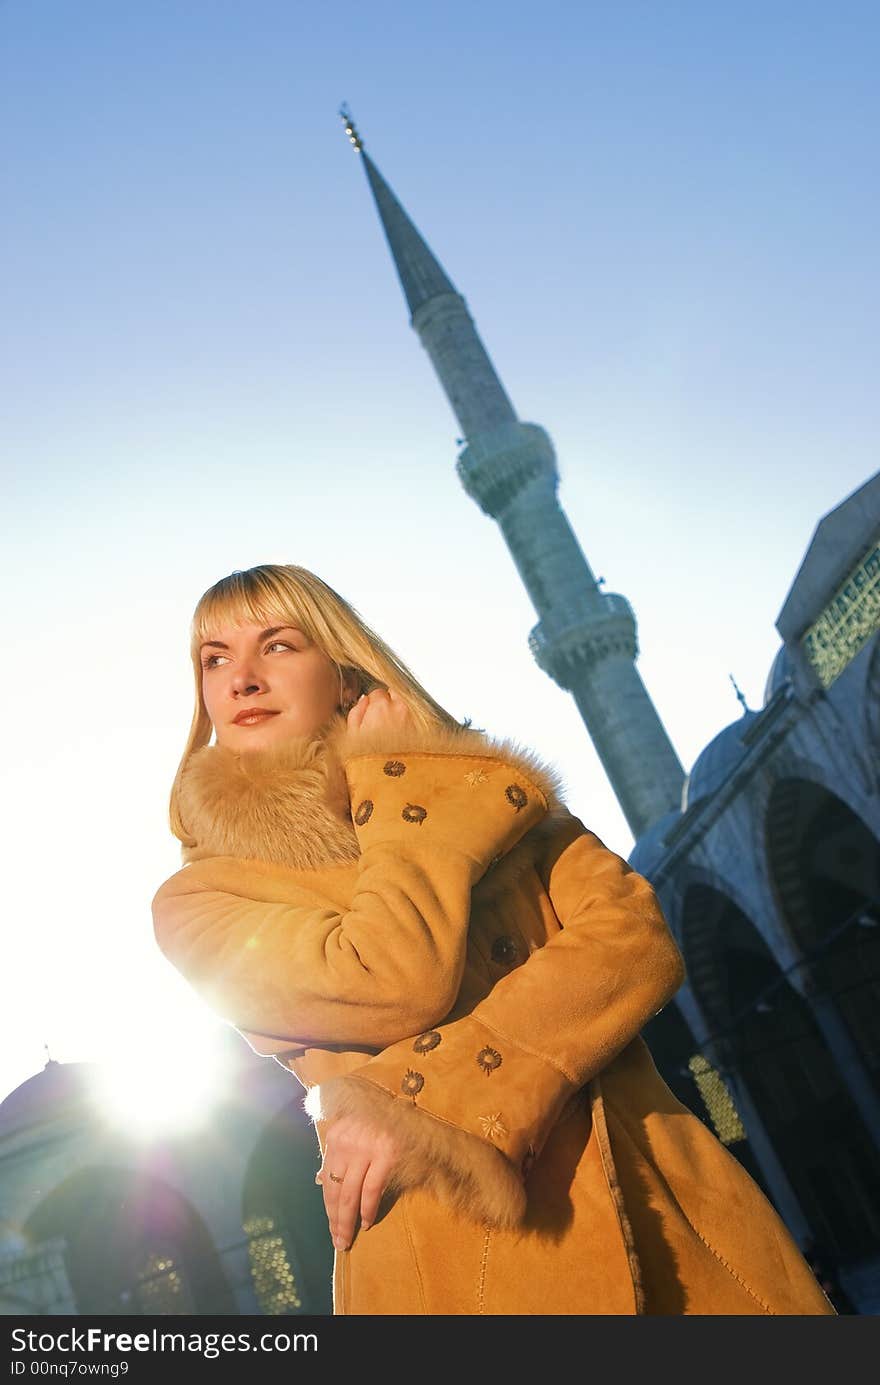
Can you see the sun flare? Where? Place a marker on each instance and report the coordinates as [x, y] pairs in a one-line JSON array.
[[158, 1092]]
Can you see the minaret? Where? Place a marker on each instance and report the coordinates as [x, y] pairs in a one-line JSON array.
[[585, 638]]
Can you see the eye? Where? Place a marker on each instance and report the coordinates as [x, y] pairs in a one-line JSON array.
[[210, 661]]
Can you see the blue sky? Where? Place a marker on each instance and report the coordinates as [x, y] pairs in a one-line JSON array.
[[663, 217]]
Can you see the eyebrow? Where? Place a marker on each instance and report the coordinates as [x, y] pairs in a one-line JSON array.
[[263, 635]]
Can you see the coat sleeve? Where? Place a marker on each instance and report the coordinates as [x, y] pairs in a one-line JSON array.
[[389, 965], [473, 1101]]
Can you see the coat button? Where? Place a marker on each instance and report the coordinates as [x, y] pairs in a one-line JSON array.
[[504, 951]]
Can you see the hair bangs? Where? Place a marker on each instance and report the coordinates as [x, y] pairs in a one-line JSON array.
[[244, 598]]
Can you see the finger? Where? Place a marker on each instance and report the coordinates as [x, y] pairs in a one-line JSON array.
[[356, 713], [332, 1204], [361, 708], [376, 712], [371, 1193], [331, 1177], [348, 1205], [333, 1171]]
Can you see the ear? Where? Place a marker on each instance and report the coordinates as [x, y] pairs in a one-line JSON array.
[[351, 682]]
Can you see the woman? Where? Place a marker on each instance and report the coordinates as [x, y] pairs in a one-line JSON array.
[[404, 913]]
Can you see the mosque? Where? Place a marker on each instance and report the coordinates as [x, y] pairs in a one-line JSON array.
[[765, 857]]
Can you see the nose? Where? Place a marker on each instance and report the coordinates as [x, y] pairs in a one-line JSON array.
[[245, 682]]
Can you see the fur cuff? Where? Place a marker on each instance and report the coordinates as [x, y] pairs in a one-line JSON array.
[[346, 743], [459, 1169]]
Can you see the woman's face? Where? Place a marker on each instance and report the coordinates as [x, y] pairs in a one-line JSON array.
[[262, 686]]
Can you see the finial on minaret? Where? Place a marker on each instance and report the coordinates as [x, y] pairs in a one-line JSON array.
[[349, 127], [740, 695]]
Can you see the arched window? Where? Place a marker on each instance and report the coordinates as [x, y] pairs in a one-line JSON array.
[[274, 1269], [717, 1100], [160, 1284]]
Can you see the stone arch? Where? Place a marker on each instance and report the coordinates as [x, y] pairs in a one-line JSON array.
[[824, 867], [289, 1246], [135, 1245], [788, 764], [766, 1036], [700, 929]]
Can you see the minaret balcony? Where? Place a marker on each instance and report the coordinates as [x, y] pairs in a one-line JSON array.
[[607, 627], [496, 465]]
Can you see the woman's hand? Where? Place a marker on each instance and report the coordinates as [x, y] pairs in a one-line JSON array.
[[379, 708], [360, 1159]]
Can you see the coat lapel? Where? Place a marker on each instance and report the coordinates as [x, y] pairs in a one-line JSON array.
[[286, 804]]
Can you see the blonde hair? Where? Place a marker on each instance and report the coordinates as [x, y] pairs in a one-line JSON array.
[[284, 593]]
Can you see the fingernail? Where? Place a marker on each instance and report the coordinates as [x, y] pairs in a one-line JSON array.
[[339, 1243], [365, 1225]]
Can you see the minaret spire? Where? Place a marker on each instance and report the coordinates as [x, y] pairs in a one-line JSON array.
[[585, 638], [420, 272], [348, 122], [740, 695]]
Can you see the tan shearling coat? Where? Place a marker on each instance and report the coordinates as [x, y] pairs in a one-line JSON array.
[[416, 925]]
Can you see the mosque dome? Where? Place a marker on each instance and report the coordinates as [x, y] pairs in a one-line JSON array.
[[716, 761], [780, 672], [58, 1090], [649, 847]]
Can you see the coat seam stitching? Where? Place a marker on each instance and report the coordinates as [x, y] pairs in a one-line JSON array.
[[415, 1258], [481, 1291], [731, 1271]]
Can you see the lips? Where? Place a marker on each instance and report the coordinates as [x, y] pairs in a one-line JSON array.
[[253, 716]]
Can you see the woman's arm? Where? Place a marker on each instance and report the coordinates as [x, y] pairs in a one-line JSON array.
[[492, 1084], [392, 963]]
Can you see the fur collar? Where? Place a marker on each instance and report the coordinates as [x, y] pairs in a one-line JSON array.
[[289, 804]]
